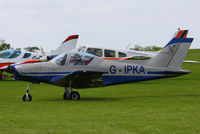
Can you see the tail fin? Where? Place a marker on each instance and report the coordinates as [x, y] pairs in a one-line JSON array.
[[173, 54], [181, 34], [67, 45]]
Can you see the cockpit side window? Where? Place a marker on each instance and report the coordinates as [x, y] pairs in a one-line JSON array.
[[26, 55], [109, 53], [4, 54], [96, 51], [122, 54], [60, 60]]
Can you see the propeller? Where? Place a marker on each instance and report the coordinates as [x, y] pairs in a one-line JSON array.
[[128, 46]]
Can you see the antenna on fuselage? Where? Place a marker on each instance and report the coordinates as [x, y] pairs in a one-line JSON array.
[[128, 46], [42, 51]]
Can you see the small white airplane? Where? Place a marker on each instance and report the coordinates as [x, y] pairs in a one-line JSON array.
[[82, 69], [116, 54], [11, 56]]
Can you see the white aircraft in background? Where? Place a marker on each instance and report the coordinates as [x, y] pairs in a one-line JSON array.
[[115, 54], [12, 56]]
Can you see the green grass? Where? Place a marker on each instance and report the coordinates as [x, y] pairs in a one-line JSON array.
[[166, 106]]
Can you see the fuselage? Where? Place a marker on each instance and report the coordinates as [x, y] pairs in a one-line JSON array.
[[113, 71]]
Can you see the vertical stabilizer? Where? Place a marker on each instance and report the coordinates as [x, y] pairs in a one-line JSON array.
[[173, 54], [67, 45]]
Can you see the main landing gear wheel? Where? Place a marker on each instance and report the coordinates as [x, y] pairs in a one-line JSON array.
[[27, 96], [74, 96], [71, 96]]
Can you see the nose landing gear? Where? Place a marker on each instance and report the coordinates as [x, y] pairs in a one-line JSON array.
[[27, 96]]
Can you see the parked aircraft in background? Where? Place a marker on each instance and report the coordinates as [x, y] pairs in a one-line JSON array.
[[81, 69], [115, 54], [11, 56]]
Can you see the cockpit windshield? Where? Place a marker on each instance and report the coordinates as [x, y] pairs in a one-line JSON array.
[[81, 49], [9, 54], [60, 60]]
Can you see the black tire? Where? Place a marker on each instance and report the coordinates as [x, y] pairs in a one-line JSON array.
[[74, 96], [66, 96], [25, 98]]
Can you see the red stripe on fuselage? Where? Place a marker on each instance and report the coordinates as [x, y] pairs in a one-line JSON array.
[[30, 61], [5, 64], [112, 58]]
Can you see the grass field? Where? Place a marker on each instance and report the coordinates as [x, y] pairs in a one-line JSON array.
[[166, 106]]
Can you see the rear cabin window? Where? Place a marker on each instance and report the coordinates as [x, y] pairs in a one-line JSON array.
[[26, 55], [15, 54], [109, 53], [95, 51], [122, 54]]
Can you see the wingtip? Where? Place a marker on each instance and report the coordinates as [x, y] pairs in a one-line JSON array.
[[70, 38]]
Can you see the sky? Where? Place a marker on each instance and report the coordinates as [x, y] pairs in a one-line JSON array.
[[106, 23]]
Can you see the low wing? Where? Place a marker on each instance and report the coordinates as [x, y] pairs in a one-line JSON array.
[[82, 80], [136, 58], [190, 61]]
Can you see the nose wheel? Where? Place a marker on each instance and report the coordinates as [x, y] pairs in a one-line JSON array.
[[27, 96]]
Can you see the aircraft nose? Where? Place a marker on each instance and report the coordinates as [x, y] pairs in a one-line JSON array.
[[9, 68], [12, 69]]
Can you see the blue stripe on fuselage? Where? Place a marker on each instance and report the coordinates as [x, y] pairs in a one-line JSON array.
[[161, 72], [108, 80]]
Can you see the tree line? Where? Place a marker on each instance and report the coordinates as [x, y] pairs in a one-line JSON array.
[[147, 48], [4, 46]]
